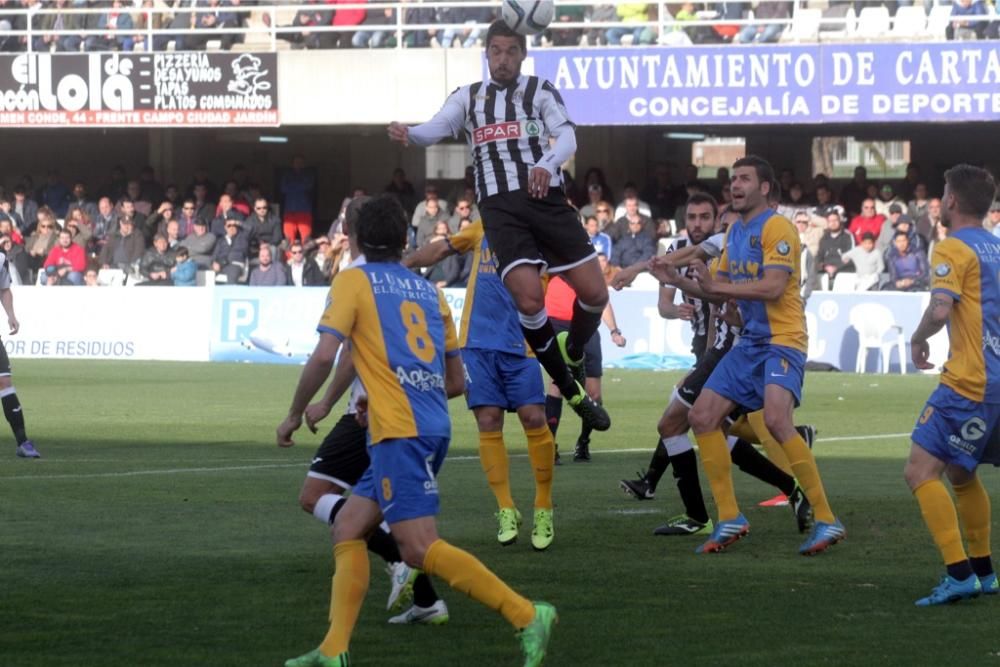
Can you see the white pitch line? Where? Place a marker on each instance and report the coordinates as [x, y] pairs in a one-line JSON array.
[[304, 464]]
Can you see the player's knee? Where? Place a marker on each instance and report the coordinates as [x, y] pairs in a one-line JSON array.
[[413, 553], [779, 425], [489, 423], [913, 475], [702, 419], [534, 419], [307, 501], [529, 303]]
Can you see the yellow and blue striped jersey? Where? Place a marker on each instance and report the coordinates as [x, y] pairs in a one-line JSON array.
[[489, 317], [768, 241], [401, 330], [966, 267]]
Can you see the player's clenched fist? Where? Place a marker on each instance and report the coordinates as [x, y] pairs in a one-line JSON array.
[[399, 133]]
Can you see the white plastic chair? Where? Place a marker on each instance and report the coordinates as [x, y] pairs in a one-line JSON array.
[[111, 277], [805, 25], [937, 21], [909, 22], [872, 322], [845, 282], [873, 22]]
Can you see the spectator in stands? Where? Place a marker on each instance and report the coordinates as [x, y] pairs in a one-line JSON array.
[[811, 231], [17, 258], [993, 29], [917, 205], [886, 198], [345, 17], [428, 221], [994, 218], [600, 14], [184, 273], [854, 193], [65, 262], [172, 230], [26, 208], [124, 249], [117, 24], [375, 38], [908, 186], [595, 175], [298, 186], [867, 261], [156, 263], [468, 37], [81, 231], [908, 270], [636, 245], [268, 273], [940, 233], [60, 19], [7, 229], [559, 36], [263, 227], [887, 230], [105, 223], [218, 16], [303, 272], [463, 213], [630, 190], [834, 245], [445, 273], [133, 189], [918, 244], [762, 32], [157, 222], [143, 21], [187, 217], [90, 278], [54, 194], [7, 212], [623, 225], [126, 209], [315, 15], [929, 220], [601, 241], [867, 221], [231, 252], [593, 200], [80, 200], [240, 202], [224, 213], [417, 14], [42, 239], [807, 260], [200, 244], [115, 187], [824, 200], [964, 24], [402, 189], [661, 193]]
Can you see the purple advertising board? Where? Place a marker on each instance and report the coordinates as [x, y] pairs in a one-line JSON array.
[[777, 84]]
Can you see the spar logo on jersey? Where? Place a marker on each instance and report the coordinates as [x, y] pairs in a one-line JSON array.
[[496, 132], [420, 379]]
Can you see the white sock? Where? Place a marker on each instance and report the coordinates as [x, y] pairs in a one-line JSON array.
[[677, 444], [385, 527], [731, 441], [325, 505]]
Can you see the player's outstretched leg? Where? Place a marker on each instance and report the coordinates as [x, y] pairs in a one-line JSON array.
[[541, 453], [973, 505], [960, 582], [15, 417], [749, 460]]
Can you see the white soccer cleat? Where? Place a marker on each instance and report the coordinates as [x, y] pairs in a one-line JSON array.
[[401, 577], [436, 614]]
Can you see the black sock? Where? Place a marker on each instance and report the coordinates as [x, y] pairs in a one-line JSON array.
[[15, 417], [755, 464], [553, 412], [982, 565], [424, 594], [581, 328], [960, 570], [337, 506], [585, 429], [543, 342], [384, 546], [689, 486], [657, 465]]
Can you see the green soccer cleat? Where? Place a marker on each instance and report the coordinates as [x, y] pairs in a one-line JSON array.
[[591, 413], [535, 637], [316, 659], [576, 368], [510, 522], [542, 533], [401, 578]]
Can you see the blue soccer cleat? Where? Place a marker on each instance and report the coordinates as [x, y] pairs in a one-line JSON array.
[[725, 533], [989, 584], [824, 535], [952, 590]]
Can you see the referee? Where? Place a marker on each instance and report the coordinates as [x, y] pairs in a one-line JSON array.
[[508, 122]]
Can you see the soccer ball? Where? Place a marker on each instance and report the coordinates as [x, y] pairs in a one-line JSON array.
[[528, 18]]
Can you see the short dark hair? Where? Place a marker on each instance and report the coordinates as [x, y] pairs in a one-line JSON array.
[[765, 172], [905, 235], [702, 198], [973, 188], [182, 252], [500, 29], [868, 236], [381, 229]]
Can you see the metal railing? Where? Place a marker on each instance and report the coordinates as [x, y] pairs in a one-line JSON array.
[[261, 22]]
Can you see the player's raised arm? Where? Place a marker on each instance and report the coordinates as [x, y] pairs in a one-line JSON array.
[[428, 255], [447, 122]]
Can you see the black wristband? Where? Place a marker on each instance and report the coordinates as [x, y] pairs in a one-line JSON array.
[[616, 331]]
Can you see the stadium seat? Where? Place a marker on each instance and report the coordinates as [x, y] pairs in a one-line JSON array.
[[838, 26], [873, 23], [938, 21], [872, 322], [909, 22], [845, 282], [204, 277], [805, 26], [111, 277]]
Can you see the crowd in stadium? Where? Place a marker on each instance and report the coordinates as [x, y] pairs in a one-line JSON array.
[[870, 234], [126, 25]]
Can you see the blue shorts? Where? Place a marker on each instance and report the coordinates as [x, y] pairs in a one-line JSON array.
[[957, 430], [746, 369], [402, 477], [501, 379]]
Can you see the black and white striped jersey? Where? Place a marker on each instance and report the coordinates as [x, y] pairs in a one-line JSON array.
[[699, 323], [726, 334], [508, 130]]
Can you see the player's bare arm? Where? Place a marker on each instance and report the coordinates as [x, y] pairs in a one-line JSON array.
[[399, 133], [314, 374], [343, 376], [454, 376], [667, 274], [677, 258], [769, 288], [608, 317], [7, 301], [673, 311], [429, 255], [933, 320]]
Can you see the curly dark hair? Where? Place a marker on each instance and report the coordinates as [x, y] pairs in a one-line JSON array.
[[381, 229]]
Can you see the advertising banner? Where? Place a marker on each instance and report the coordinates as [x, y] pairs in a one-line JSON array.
[[188, 89], [808, 84]]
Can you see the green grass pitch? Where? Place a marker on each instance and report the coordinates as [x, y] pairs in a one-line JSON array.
[[162, 529]]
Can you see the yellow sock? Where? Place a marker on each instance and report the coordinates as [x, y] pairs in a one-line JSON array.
[[775, 451], [493, 457], [742, 429], [350, 584], [974, 515], [466, 574], [941, 519], [719, 470], [807, 474], [541, 452]]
